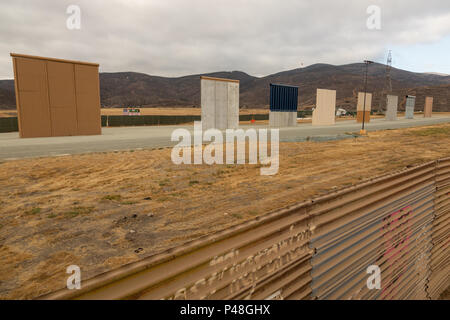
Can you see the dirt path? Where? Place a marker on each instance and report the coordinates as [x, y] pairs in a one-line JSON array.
[[99, 211]]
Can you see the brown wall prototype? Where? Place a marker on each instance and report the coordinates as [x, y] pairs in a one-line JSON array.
[[428, 109], [318, 249], [56, 97], [363, 108]]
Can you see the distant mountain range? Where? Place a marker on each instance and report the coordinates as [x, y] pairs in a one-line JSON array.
[[438, 74], [137, 89]]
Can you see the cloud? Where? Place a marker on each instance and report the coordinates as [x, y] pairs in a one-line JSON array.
[[178, 37]]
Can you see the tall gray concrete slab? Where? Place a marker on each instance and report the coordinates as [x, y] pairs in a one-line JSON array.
[[283, 119], [274, 120], [292, 119], [391, 107], [221, 105], [233, 105], [410, 104], [409, 113], [208, 103]]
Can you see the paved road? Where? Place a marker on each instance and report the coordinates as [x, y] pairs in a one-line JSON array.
[[128, 138]]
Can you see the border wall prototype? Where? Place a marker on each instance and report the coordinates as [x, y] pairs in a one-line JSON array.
[[428, 109], [220, 103], [409, 108], [318, 249], [391, 107], [56, 97], [361, 110], [283, 106], [325, 111]]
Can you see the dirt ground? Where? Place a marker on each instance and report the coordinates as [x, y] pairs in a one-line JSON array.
[[103, 210], [445, 295]]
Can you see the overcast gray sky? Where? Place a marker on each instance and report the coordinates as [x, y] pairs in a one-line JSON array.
[[260, 37]]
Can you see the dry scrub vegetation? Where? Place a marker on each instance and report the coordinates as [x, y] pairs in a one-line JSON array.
[[102, 210]]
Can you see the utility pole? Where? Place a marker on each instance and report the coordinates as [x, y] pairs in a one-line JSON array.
[[366, 62], [387, 82]]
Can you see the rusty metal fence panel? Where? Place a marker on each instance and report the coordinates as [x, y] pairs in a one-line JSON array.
[[386, 223], [318, 249], [440, 254]]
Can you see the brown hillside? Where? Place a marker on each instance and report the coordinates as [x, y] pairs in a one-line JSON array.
[[129, 88]]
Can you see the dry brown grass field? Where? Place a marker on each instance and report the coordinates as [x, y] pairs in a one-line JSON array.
[[103, 210]]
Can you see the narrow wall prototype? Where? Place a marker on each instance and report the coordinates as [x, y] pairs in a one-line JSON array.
[[283, 105], [56, 97], [409, 109], [391, 107], [220, 103], [428, 110], [364, 107], [324, 113]]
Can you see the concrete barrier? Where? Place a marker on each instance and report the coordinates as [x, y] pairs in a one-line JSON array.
[[325, 111], [220, 103], [391, 107], [409, 109]]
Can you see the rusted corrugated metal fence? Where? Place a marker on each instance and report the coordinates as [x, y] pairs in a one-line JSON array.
[[318, 249]]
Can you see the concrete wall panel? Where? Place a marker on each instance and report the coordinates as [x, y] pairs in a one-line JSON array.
[[391, 107], [273, 119], [220, 103], [292, 119], [409, 113], [410, 105], [280, 119], [233, 105], [286, 116], [324, 113], [208, 103], [428, 111]]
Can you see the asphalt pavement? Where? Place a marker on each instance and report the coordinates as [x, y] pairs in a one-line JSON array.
[[135, 138]]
